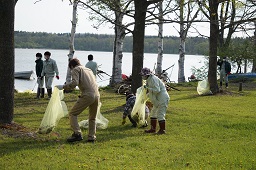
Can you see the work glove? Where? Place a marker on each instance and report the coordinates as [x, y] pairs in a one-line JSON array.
[[60, 87], [58, 77], [124, 121]]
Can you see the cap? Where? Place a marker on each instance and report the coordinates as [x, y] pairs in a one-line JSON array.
[[145, 71]]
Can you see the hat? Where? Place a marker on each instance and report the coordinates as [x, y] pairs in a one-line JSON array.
[[145, 71]]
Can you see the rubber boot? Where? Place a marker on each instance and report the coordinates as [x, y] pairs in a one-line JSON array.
[[49, 91], [38, 93], [42, 92], [162, 127], [226, 85], [153, 122], [134, 124]]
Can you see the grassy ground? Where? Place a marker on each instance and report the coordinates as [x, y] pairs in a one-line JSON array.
[[203, 132]]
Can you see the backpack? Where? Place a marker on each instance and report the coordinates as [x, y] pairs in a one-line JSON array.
[[227, 67]]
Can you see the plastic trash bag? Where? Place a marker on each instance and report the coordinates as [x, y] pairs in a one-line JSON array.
[[203, 87], [55, 110], [101, 121], [138, 111]]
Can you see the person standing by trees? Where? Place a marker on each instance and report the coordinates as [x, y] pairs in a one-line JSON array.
[[90, 96], [40, 81], [159, 97], [225, 69], [92, 64], [49, 70]]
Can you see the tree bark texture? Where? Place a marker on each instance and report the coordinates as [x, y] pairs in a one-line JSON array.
[[181, 61], [160, 40], [254, 60], [138, 42], [72, 39], [7, 60], [118, 49], [213, 45]]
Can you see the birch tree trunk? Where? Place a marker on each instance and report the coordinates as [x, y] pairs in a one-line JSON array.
[[118, 49], [6, 61], [181, 77], [160, 40], [72, 39]]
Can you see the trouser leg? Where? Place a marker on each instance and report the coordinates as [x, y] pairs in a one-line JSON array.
[[81, 104], [93, 108], [134, 124]]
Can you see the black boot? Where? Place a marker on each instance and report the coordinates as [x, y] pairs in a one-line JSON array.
[[38, 93], [75, 137], [49, 91], [134, 124], [153, 122], [226, 85], [42, 92]]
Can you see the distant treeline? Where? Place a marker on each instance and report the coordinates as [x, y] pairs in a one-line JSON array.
[[104, 42]]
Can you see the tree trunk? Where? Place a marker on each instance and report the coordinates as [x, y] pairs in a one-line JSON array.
[[245, 65], [72, 39], [7, 60], [138, 42], [212, 72], [160, 40], [181, 77], [254, 60], [118, 49]]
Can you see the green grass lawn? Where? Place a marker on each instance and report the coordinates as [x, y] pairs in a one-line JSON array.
[[203, 132]]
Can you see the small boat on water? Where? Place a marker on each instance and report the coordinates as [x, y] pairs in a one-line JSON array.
[[23, 74], [242, 76]]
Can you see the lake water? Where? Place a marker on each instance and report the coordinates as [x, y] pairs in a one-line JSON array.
[[25, 61]]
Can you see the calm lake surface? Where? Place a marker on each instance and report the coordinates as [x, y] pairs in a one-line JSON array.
[[25, 61]]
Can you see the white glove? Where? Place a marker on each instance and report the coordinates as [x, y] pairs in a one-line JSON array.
[[60, 87]]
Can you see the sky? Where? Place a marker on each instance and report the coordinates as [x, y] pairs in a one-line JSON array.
[[54, 16]]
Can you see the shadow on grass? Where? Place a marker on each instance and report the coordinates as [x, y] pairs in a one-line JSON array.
[[188, 97], [114, 110], [119, 132]]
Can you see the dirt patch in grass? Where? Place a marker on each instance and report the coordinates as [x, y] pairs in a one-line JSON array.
[[16, 131]]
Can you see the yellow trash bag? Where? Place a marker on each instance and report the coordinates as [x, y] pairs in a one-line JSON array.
[[138, 111], [203, 88], [55, 110], [101, 121]]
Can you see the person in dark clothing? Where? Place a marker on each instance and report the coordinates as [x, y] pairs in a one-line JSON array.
[[130, 101], [40, 81], [225, 69]]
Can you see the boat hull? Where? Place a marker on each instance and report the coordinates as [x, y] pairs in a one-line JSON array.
[[23, 74]]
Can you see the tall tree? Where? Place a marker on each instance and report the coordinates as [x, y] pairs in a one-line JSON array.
[[185, 25], [214, 31], [138, 40], [160, 40], [7, 60], [72, 38]]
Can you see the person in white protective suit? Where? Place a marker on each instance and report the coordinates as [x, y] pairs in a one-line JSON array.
[[159, 97]]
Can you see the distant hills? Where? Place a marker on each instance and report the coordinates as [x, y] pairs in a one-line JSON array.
[[104, 42]]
